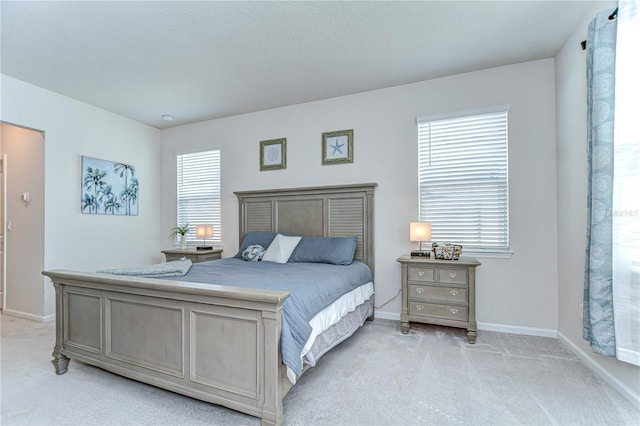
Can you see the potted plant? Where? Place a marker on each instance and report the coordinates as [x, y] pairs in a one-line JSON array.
[[182, 231]]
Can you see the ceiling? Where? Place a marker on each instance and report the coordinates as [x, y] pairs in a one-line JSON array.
[[200, 60]]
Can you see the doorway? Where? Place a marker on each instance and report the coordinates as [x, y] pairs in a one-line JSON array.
[[22, 221], [3, 206]]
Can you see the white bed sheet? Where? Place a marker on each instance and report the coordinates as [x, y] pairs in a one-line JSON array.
[[331, 315]]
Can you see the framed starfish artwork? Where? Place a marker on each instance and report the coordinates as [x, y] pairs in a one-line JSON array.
[[273, 154], [337, 147]]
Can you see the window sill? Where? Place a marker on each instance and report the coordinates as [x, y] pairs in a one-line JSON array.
[[487, 254]]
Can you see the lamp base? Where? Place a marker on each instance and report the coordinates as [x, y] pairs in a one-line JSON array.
[[420, 253], [203, 248]]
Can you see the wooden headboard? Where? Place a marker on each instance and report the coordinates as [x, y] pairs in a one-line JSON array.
[[323, 211]]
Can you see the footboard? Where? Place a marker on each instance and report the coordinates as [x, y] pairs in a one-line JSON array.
[[214, 343]]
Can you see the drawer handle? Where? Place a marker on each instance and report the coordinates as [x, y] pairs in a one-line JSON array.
[[421, 273], [452, 275], [419, 290], [419, 307], [453, 311], [454, 293]]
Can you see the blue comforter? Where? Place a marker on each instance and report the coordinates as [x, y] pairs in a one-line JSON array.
[[313, 287]]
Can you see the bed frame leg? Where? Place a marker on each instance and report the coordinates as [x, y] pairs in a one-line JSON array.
[[60, 362], [265, 422]]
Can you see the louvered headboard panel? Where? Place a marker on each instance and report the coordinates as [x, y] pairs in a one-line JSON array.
[[329, 211]]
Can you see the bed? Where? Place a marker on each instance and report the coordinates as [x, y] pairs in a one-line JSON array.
[[220, 344]]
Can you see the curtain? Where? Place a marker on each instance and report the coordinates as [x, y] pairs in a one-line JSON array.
[[598, 317], [626, 187]]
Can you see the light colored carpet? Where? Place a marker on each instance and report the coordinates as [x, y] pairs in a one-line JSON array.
[[431, 376]]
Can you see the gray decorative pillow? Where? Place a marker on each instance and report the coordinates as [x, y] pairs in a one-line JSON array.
[[253, 253]]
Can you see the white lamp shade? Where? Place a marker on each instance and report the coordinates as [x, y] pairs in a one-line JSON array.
[[420, 231], [204, 231]]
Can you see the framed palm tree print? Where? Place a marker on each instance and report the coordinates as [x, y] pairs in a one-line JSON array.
[[108, 187]]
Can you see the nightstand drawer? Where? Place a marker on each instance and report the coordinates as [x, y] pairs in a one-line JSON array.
[[172, 257], [445, 294], [194, 255], [205, 257], [417, 273], [453, 312], [453, 276]]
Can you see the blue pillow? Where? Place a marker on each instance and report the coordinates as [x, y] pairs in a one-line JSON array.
[[258, 238], [333, 250]]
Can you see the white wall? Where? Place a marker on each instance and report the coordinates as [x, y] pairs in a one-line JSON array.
[[516, 292], [73, 240], [571, 101]]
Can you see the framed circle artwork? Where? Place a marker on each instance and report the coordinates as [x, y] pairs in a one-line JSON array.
[[273, 154]]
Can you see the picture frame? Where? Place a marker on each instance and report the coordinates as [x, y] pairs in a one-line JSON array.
[[337, 147], [108, 188], [273, 154]]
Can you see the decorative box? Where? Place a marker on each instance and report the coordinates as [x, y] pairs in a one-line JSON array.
[[447, 251]]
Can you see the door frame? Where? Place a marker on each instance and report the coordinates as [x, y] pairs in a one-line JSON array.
[[3, 163]]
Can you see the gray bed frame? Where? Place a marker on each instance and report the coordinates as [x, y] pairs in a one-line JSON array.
[[214, 343]]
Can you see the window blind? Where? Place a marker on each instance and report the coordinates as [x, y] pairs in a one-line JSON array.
[[199, 193], [463, 179]]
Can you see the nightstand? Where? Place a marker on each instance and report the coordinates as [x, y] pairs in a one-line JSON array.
[[192, 254], [441, 292]]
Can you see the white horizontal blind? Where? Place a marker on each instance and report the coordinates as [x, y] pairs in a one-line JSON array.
[[199, 193], [463, 180]]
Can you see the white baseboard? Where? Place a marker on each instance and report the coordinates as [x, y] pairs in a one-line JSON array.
[[32, 317], [501, 328], [387, 315], [514, 329], [620, 387]]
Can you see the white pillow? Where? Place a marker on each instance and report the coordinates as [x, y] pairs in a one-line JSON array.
[[280, 249]]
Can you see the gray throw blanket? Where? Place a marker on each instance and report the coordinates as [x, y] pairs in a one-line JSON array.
[[174, 268]]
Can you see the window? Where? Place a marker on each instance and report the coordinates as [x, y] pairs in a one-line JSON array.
[[463, 179], [626, 187], [199, 193]]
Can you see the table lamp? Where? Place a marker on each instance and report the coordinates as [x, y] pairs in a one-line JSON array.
[[204, 232], [419, 232]]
